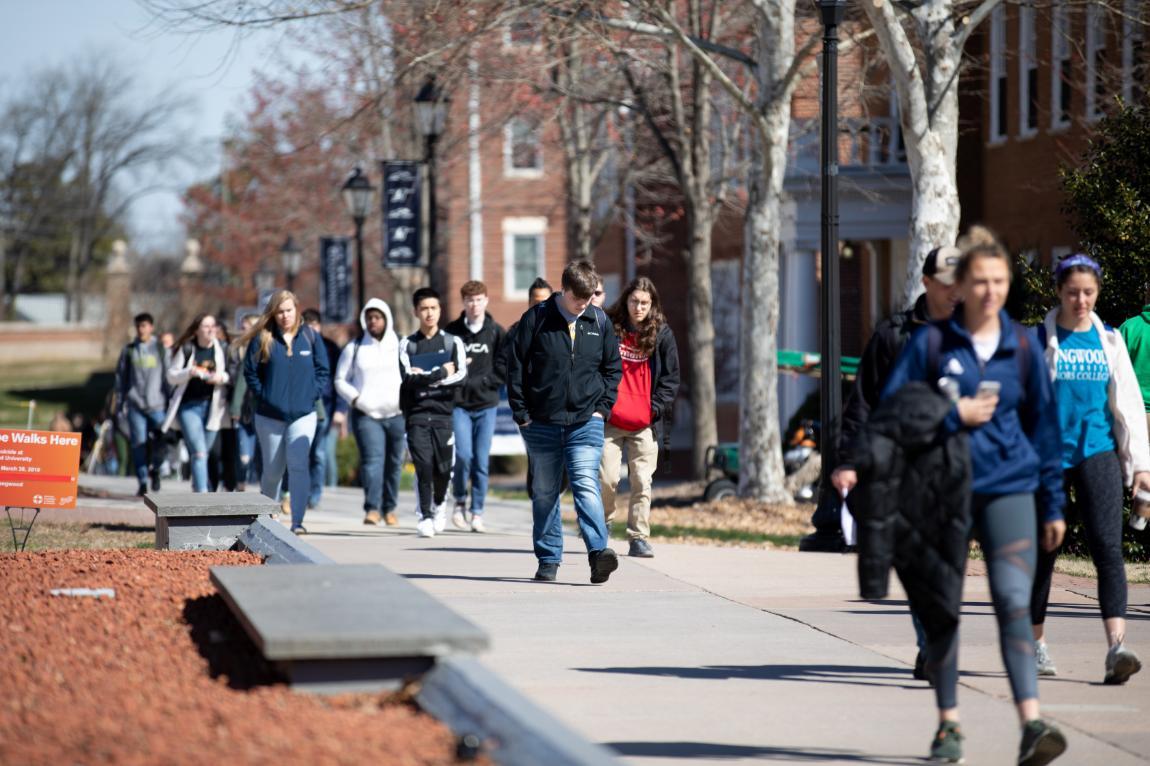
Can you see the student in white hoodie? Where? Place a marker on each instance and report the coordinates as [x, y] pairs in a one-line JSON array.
[[367, 377]]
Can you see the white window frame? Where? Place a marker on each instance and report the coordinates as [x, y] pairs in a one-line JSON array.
[[1095, 19], [508, 169], [997, 73], [1059, 52], [1027, 63], [1131, 31], [522, 226]]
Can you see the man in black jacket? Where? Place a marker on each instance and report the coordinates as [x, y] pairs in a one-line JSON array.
[[562, 380], [476, 402]]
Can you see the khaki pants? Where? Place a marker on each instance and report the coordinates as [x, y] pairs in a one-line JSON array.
[[642, 458]]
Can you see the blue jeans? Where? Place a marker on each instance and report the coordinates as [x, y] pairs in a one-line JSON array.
[[473, 432], [193, 422], [331, 466], [246, 472], [317, 461], [287, 444], [381, 446], [141, 424], [579, 449]]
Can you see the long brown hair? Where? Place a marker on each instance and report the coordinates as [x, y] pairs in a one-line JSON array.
[[647, 333], [265, 326], [190, 333]]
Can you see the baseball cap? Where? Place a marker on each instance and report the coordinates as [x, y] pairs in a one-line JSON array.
[[941, 263]]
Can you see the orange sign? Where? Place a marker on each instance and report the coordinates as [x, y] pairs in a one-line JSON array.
[[38, 469]]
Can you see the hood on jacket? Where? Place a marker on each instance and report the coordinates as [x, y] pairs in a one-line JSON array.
[[389, 335]]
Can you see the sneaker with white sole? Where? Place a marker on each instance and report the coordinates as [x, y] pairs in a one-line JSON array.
[[1042, 660], [459, 515], [440, 516], [477, 524], [426, 527], [1121, 663], [1042, 742]]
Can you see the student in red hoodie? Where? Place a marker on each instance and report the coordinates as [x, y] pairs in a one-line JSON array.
[[646, 396]]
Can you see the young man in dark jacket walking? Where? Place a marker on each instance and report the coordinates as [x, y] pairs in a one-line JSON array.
[[476, 402], [432, 364], [562, 381], [142, 396]]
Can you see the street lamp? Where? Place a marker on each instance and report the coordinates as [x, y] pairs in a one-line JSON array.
[[430, 116], [358, 194], [827, 534], [291, 255]]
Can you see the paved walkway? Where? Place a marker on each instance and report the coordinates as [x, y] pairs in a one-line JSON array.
[[723, 655]]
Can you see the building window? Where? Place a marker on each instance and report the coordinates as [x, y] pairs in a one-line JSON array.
[[524, 29], [998, 94], [1096, 29], [523, 151], [1027, 73], [1061, 68], [522, 254], [1134, 70]]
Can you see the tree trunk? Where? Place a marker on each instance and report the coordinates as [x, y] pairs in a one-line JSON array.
[[701, 343], [935, 213], [73, 280]]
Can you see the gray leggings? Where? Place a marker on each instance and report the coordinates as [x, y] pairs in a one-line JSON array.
[[1006, 528], [1097, 483]]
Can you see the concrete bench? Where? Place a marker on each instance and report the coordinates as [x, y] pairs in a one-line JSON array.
[[188, 521], [344, 627]]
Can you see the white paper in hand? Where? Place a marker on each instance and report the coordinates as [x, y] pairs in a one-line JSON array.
[[848, 523]]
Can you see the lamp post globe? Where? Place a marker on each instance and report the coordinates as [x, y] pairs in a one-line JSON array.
[[358, 195], [291, 256], [431, 107]]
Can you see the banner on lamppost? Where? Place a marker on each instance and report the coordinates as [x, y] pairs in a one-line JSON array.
[[401, 213], [335, 279]]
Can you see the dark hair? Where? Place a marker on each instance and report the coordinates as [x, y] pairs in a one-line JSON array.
[[581, 279], [311, 315], [540, 284], [422, 294], [471, 288], [980, 242], [648, 332], [144, 317], [1077, 263], [190, 332]]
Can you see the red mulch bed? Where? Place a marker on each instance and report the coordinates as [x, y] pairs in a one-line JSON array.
[[163, 673]]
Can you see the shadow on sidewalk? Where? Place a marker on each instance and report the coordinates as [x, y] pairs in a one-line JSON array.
[[717, 751], [854, 675]]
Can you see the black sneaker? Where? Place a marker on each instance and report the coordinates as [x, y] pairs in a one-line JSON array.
[[641, 549], [920, 671], [946, 747], [603, 563], [142, 490], [155, 476], [1042, 742], [546, 572]]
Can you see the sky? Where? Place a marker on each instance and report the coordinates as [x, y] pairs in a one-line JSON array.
[[214, 69]]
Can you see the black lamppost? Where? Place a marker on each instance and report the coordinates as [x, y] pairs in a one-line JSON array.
[[827, 534], [430, 116], [358, 194], [291, 255]]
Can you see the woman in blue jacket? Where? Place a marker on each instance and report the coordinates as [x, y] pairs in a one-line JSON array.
[[994, 370], [286, 369]]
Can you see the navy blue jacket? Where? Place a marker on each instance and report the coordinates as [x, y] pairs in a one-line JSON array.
[[286, 387], [1019, 449]]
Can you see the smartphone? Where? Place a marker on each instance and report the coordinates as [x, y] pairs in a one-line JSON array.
[[989, 388]]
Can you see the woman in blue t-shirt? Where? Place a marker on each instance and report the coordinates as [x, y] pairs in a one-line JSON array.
[[1104, 445]]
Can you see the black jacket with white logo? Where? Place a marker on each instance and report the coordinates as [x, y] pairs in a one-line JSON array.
[[486, 363]]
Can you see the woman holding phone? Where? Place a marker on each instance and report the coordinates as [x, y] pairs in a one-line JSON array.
[[1104, 447], [994, 370]]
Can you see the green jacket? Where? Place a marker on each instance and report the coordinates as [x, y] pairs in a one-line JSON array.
[[1136, 332]]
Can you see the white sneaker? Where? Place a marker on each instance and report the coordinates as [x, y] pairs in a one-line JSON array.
[[426, 528], [459, 516], [1121, 663], [477, 524], [441, 516], [1044, 664]]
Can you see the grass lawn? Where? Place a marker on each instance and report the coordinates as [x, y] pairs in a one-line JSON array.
[[55, 386], [54, 536]]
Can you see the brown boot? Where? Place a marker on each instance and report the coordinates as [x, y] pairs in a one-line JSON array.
[[391, 519], [372, 517]]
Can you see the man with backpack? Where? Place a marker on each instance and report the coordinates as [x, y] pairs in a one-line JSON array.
[[367, 377], [562, 380], [142, 395]]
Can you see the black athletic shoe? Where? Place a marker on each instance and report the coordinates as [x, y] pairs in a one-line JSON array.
[[1042, 742], [142, 490], [547, 572], [155, 475], [603, 563], [640, 549]]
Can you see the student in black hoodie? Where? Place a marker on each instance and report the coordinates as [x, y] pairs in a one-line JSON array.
[[476, 402], [432, 364]]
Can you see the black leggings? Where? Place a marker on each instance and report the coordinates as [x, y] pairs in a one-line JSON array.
[[1005, 527], [1097, 483], [432, 447]]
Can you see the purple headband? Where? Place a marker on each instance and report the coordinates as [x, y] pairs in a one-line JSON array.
[[1078, 259]]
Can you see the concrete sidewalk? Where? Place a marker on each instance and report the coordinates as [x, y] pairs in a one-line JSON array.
[[724, 655]]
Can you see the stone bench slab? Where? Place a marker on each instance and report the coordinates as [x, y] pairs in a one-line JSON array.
[[302, 612], [182, 504]]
